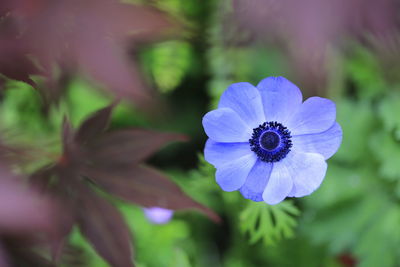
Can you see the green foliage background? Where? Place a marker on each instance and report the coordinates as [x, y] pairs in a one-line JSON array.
[[355, 213]]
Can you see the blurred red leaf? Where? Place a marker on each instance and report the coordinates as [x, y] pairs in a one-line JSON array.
[[22, 210], [14, 62], [60, 182], [21, 253], [92, 36], [128, 146], [4, 261], [308, 28], [105, 228], [347, 259], [26, 217]]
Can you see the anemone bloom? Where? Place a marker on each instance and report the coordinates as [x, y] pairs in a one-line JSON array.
[[269, 144]]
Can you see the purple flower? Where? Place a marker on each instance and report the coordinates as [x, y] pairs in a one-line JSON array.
[[158, 215], [269, 144]]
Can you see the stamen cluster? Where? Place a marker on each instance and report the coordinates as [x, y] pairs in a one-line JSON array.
[[279, 150]]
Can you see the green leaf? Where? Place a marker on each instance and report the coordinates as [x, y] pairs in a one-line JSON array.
[[199, 183], [378, 246], [83, 100], [169, 63], [22, 111], [387, 151], [269, 223], [341, 184], [365, 72], [157, 244], [389, 112], [358, 122], [352, 213]]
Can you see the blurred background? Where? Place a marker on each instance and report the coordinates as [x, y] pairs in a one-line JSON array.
[[168, 61]]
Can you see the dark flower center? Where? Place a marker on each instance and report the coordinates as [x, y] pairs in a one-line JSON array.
[[271, 141]]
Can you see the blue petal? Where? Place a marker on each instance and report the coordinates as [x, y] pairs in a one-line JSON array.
[[280, 98], [325, 143], [158, 215], [307, 171], [255, 183], [315, 115], [222, 153], [279, 185], [232, 175], [245, 100], [224, 125]]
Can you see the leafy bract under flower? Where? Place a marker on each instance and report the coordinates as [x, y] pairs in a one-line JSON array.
[[267, 143]]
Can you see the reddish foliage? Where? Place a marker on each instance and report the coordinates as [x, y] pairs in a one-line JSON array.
[[347, 260], [109, 161], [307, 29], [91, 36], [25, 218]]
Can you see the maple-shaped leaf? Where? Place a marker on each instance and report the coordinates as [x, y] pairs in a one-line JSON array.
[[91, 36], [94, 159]]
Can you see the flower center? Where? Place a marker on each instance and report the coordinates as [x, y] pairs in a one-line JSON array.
[[271, 141]]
